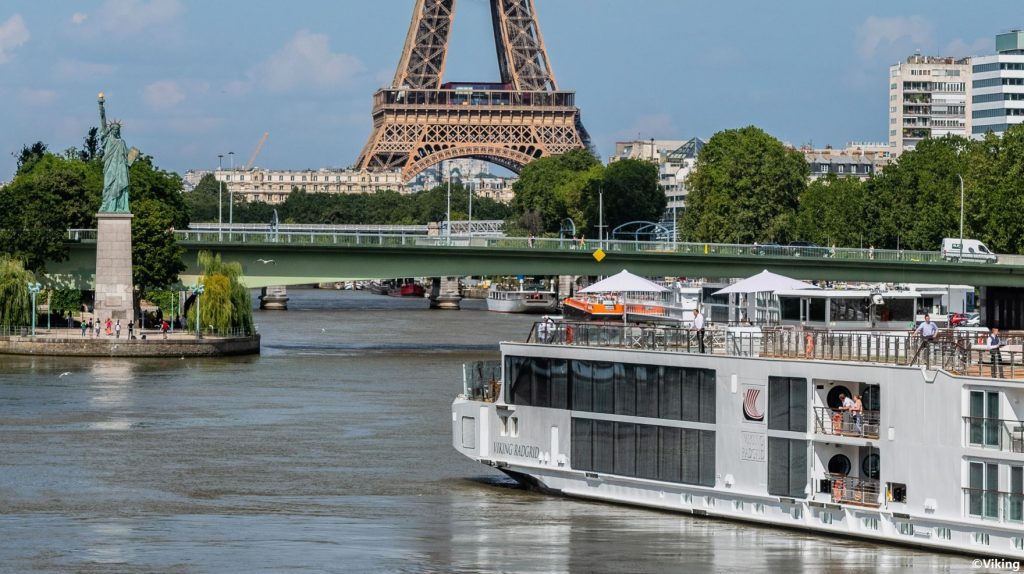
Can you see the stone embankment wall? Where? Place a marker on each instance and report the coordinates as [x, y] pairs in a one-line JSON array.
[[153, 347]]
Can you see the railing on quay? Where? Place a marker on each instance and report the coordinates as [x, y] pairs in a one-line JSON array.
[[315, 236], [14, 331], [1003, 434], [838, 422], [994, 505], [853, 490], [951, 351], [481, 380]]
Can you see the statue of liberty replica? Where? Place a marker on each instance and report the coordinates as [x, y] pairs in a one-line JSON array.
[[114, 288]]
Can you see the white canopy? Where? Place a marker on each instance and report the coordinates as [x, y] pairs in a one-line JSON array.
[[764, 281], [624, 282]]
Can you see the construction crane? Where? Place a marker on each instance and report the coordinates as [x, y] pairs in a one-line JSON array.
[[256, 152]]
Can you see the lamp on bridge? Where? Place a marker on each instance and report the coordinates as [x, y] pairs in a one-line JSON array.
[[198, 288], [33, 288]]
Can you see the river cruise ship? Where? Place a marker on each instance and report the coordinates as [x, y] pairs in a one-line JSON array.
[[755, 429], [523, 297]]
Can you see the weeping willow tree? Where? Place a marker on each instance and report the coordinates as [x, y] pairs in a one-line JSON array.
[[225, 303], [15, 302]]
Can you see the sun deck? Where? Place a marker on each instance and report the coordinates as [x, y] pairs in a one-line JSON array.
[[957, 352]]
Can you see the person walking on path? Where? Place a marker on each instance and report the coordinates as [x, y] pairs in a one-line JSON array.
[[131, 330], [107, 327], [97, 327], [163, 328], [698, 325], [90, 328], [117, 329], [84, 327]]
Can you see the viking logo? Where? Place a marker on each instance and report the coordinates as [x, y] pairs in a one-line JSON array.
[[752, 411]]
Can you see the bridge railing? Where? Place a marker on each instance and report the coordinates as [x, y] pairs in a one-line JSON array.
[[318, 236]]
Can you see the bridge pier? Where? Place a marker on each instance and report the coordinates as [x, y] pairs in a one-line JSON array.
[[444, 293], [566, 284], [1002, 307], [274, 298]]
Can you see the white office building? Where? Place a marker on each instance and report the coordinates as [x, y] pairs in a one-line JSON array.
[[997, 96]]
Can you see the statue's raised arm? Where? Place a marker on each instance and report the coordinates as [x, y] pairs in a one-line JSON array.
[[103, 115]]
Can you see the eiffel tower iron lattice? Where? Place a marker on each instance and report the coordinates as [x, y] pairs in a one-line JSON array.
[[420, 121]]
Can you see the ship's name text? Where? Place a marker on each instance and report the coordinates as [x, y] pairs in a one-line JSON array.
[[520, 450]]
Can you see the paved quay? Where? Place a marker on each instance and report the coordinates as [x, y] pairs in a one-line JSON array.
[[148, 343]]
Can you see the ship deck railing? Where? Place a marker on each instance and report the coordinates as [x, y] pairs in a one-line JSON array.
[[853, 490], [957, 352], [481, 381], [838, 422], [1005, 435], [994, 505]]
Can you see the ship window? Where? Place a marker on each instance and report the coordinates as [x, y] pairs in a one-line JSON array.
[[670, 394], [604, 446], [647, 451], [582, 386], [582, 444], [787, 404], [604, 388], [790, 308], [513, 426], [625, 389], [1018, 542], [870, 523], [905, 528], [896, 492], [943, 533], [670, 459], [625, 449], [817, 309], [647, 391], [981, 538], [787, 467]]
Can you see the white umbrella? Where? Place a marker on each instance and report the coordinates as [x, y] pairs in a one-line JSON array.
[[622, 283], [764, 281]]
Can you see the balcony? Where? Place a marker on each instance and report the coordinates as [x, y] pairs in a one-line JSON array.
[[835, 422], [1000, 434], [854, 490], [994, 505]]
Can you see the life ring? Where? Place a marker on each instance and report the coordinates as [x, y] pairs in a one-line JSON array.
[[809, 346], [837, 489]]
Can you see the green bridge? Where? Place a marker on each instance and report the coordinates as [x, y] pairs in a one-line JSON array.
[[296, 258]]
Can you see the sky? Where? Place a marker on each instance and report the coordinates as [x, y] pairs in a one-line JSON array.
[[191, 79]]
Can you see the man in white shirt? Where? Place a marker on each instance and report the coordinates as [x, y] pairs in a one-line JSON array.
[[698, 325], [927, 330], [847, 408]]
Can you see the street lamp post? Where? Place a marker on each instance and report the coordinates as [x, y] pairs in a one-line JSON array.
[[470, 189], [199, 288], [231, 197], [961, 215], [600, 215], [448, 217], [220, 197], [34, 288]]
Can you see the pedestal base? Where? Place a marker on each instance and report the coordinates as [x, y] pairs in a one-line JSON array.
[[114, 287], [274, 298], [444, 293]]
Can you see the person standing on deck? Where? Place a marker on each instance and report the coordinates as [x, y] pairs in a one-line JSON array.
[[858, 414], [994, 345], [698, 325], [927, 330]]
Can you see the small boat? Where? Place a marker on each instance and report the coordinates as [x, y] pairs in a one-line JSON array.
[[530, 297], [412, 289]]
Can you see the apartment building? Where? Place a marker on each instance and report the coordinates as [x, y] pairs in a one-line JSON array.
[[997, 86], [273, 186], [928, 97], [857, 159]]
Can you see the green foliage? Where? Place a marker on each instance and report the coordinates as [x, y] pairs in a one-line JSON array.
[[744, 188], [201, 202], [15, 301], [65, 302], [225, 303], [29, 155], [631, 193], [552, 188], [833, 212], [48, 196]]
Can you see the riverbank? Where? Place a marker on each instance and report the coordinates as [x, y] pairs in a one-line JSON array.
[[71, 343]]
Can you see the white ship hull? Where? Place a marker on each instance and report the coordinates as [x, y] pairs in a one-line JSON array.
[[538, 302], [920, 447]]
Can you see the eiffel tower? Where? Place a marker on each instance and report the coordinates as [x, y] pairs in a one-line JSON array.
[[420, 121]]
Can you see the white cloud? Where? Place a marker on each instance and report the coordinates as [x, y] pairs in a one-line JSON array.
[[163, 94], [960, 48], [305, 61], [13, 34], [78, 70], [34, 97], [893, 37], [129, 17]]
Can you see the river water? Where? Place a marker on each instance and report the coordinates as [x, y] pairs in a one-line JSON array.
[[330, 452]]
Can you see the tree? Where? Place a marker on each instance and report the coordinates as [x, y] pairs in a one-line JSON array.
[[995, 191], [91, 146], [536, 190], [226, 303], [744, 188], [29, 155], [631, 193], [15, 301], [202, 201], [835, 211]]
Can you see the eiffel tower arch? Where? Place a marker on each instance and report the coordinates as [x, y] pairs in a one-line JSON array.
[[420, 121]]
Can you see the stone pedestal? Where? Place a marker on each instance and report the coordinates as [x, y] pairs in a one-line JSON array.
[[444, 293], [114, 287], [274, 298]]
